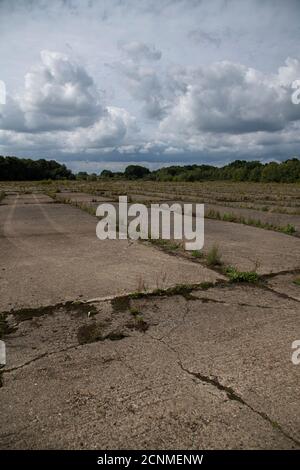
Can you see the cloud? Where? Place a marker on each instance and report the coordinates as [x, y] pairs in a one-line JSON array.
[[139, 51], [144, 85], [202, 37], [60, 109], [231, 98], [109, 132], [59, 94]]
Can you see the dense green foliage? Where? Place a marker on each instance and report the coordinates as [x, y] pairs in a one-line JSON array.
[[22, 169], [133, 172], [13, 168], [239, 170]]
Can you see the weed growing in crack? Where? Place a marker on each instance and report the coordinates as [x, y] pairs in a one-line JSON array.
[[197, 254], [242, 276], [213, 257], [138, 322], [289, 229], [166, 244]]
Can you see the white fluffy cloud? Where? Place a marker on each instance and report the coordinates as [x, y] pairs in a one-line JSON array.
[[60, 108], [59, 94], [160, 61], [228, 98]]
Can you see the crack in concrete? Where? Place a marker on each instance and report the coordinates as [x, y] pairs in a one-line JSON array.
[[282, 295], [40, 356], [231, 394], [187, 309]]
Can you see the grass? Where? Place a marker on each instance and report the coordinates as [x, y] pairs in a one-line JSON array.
[[2, 195], [166, 244], [297, 281], [213, 257], [235, 275], [288, 229], [138, 322], [197, 254]]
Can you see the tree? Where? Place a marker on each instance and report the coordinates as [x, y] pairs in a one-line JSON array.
[[106, 174], [133, 172]]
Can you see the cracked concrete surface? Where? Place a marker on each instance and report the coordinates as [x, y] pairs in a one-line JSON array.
[[53, 250], [211, 371]]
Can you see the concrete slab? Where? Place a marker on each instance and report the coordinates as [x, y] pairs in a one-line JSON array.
[[273, 218], [242, 246], [210, 371], [89, 199], [286, 284], [50, 253], [248, 248], [36, 198]]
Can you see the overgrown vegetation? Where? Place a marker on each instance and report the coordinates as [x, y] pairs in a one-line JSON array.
[[239, 219], [242, 276], [197, 254]]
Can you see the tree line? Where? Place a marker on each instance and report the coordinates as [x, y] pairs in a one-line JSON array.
[[239, 170], [22, 169]]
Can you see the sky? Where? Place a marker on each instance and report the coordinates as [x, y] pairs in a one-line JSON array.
[[106, 83]]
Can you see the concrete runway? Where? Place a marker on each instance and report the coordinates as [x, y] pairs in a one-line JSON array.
[[50, 253], [210, 369]]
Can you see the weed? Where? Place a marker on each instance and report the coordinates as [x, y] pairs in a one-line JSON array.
[[138, 323], [242, 276], [297, 281], [213, 257], [289, 229], [166, 244], [197, 254], [134, 311]]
